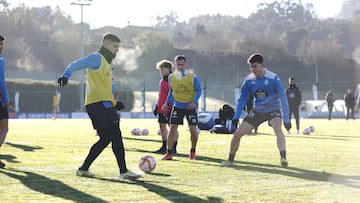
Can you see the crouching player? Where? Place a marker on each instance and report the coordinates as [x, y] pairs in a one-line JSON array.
[[268, 92]]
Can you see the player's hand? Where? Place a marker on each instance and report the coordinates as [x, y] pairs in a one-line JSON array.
[[191, 106], [62, 81], [119, 106], [164, 107], [155, 111], [287, 126], [235, 122]]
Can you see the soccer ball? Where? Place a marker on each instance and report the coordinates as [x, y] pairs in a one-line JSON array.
[[312, 129], [159, 132], [306, 131], [145, 131], [147, 163], [136, 131]]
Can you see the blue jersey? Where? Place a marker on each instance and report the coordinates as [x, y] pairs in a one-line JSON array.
[[4, 96], [269, 95]]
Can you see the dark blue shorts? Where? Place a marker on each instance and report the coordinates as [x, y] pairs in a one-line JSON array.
[[255, 118], [177, 116], [163, 118], [4, 113]]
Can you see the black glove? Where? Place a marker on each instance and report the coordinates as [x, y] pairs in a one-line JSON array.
[[62, 81], [155, 111], [235, 122], [119, 106], [287, 126]]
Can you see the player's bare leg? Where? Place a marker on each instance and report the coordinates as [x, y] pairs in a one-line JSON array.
[[170, 141], [276, 123], [243, 129], [3, 130], [164, 134], [194, 138]]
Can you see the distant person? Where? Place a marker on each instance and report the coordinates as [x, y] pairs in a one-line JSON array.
[[349, 98], [164, 67], [184, 93], [269, 104], [249, 108], [293, 94], [101, 105], [329, 97], [4, 100]]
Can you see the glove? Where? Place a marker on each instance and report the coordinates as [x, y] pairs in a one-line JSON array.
[[119, 106], [155, 111], [235, 122], [287, 126], [62, 81]]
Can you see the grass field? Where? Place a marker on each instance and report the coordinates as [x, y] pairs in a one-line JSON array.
[[43, 155]]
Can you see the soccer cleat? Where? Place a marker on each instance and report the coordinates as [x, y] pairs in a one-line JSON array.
[[284, 162], [82, 173], [288, 132], [130, 175], [2, 164], [167, 156], [160, 151], [227, 163], [192, 156], [297, 132]]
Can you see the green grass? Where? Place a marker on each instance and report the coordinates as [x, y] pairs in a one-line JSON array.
[[43, 155]]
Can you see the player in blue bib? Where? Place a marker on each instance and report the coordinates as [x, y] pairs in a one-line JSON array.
[[270, 104]]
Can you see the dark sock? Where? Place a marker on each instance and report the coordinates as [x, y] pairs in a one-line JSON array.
[[175, 144], [283, 154], [164, 144], [169, 151], [231, 157], [192, 150]]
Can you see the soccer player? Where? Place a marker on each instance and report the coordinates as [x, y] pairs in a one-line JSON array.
[[164, 67], [349, 98], [184, 93], [329, 97], [293, 94], [100, 104], [268, 92], [4, 100]]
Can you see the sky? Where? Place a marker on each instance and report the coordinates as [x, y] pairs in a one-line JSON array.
[[144, 12]]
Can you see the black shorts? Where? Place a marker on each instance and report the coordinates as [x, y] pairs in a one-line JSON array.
[[102, 114], [163, 118], [255, 119], [4, 113], [177, 116]]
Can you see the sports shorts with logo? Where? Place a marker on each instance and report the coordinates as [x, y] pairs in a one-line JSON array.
[[177, 116], [255, 118]]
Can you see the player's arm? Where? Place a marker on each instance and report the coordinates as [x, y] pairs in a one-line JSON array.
[[283, 99], [3, 91], [169, 98], [244, 94], [197, 87]]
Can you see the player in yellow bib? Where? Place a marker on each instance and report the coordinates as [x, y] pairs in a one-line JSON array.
[[100, 104], [184, 93]]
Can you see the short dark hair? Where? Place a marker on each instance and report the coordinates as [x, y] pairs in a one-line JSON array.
[[255, 58], [291, 78], [2, 38], [180, 57], [111, 37]]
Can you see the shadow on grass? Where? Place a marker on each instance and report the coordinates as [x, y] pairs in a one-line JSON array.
[[9, 158], [166, 193], [24, 147], [351, 181], [141, 139], [49, 186]]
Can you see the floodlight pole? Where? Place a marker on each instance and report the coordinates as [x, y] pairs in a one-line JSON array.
[[82, 83]]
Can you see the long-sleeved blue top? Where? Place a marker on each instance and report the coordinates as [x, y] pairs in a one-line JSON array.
[[92, 61], [269, 95], [4, 96], [184, 105]]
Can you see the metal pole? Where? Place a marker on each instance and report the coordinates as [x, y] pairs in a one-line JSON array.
[[82, 83]]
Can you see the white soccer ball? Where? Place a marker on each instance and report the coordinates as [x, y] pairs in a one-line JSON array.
[[306, 131], [147, 163], [136, 131], [145, 131], [159, 132], [312, 129]]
